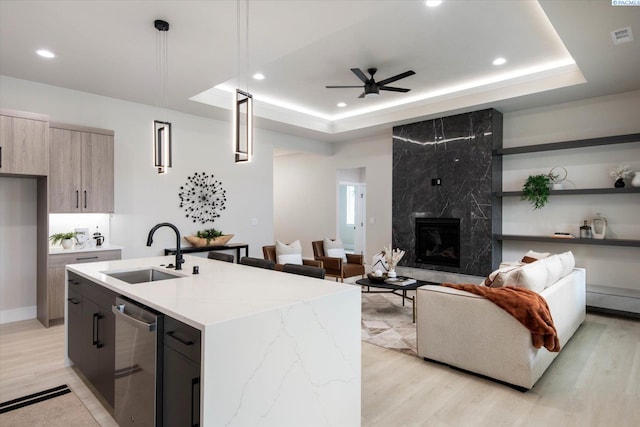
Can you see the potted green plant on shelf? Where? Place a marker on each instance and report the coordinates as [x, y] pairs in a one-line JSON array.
[[536, 187], [64, 239], [209, 237]]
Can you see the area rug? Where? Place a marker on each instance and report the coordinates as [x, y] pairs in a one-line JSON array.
[[58, 406], [386, 323]]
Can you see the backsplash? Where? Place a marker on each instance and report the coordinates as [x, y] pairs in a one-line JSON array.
[[62, 223]]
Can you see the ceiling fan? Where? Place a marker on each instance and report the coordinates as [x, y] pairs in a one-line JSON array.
[[373, 88]]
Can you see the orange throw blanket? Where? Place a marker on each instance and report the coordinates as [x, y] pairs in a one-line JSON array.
[[528, 307]]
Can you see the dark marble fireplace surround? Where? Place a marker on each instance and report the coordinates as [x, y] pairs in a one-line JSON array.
[[445, 168]]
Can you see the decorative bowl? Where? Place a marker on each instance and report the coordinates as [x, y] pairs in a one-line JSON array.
[[375, 278], [200, 242]]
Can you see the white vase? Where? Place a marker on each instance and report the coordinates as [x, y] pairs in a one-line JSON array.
[[67, 244], [599, 227], [635, 182], [392, 274]]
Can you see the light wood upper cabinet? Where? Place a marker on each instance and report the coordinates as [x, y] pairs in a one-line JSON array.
[[24, 148], [97, 172], [80, 169]]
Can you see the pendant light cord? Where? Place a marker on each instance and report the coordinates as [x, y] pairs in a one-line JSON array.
[[243, 63], [162, 67]]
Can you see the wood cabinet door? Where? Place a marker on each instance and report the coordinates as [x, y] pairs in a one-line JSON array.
[[97, 173], [65, 165], [24, 148], [55, 292]]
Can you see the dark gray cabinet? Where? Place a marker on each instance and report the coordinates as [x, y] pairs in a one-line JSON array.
[[92, 333], [181, 374], [74, 324]]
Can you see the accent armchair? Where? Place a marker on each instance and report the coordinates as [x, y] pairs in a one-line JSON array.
[[336, 267], [269, 253]]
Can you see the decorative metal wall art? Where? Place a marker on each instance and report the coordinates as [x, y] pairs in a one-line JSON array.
[[202, 197]]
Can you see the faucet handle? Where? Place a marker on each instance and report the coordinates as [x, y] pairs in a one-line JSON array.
[[179, 262]]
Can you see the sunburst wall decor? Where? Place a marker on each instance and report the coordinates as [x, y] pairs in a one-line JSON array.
[[202, 197]]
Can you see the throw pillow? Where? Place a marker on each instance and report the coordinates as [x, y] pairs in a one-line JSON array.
[[532, 256], [334, 249], [289, 254], [498, 277]]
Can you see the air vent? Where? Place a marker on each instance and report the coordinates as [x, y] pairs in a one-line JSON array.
[[622, 35]]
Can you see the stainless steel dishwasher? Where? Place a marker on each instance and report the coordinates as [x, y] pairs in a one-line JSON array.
[[136, 363]]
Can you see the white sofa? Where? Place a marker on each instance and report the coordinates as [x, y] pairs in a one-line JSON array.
[[467, 331]]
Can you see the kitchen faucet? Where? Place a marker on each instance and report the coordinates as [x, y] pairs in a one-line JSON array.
[[179, 259]]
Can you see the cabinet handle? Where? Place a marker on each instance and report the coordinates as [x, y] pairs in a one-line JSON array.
[[0, 157], [96, 330], [195, 402], [86, 257], [73, 301], [85, 199], [177, 338], [77, 199]]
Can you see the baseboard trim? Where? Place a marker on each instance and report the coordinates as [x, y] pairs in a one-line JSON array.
[[609, 311], [614, 299], [18, 314]]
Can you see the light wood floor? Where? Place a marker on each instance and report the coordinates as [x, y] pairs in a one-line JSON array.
[[595, 381]]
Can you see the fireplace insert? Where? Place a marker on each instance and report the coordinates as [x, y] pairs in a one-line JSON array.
[[438, 241]]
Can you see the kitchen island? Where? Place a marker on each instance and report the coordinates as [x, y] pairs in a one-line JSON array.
[[276, 348]]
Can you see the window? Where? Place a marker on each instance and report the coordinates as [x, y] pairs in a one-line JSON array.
[[351, 204]]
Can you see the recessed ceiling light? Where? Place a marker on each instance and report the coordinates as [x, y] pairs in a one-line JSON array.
[[433, 3], [499, 61], [45, 53], [258, 76], [341, 104]]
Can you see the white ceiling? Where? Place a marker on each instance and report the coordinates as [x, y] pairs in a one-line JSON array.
[[557, 51]]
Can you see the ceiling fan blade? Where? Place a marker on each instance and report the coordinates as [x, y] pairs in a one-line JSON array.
[[362, 95], [394, 78], [394, 89], [358, 72], [340, 87]]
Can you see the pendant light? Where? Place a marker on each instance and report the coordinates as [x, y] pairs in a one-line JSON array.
[[162, 129], [243, 106]]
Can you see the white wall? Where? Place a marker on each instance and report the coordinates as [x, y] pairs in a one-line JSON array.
[[306, 182], [18, 227], [610, 267], [142, 196], [305, 188]]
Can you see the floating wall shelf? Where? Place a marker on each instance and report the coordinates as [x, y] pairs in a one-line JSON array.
[[565, 145], [576, 241], [573, 192]]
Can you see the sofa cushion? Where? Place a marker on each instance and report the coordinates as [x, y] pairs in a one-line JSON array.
[[289, 254], [567, 264], [536, 276], [334, 249], [543, 273]]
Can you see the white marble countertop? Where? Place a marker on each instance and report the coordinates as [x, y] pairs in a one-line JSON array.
[[57, 250], [221, 292]]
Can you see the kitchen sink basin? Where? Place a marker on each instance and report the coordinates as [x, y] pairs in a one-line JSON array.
[[143, 275]]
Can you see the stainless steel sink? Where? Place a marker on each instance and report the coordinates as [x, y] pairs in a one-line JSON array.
[[143, 275]]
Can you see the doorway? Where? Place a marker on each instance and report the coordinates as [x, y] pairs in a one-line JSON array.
[[350, 213]]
